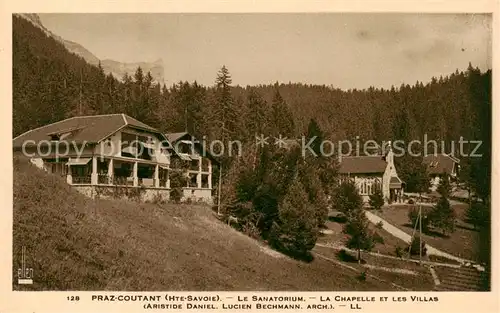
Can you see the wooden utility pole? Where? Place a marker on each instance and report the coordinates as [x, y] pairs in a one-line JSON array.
[[420, 228], [413, 237], [80, 100], [186, 119], [218, 192], [81, 91]]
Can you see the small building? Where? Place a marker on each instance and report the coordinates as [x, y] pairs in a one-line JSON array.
[[371, 171], [198, 163], [110, 155], [439, 165]]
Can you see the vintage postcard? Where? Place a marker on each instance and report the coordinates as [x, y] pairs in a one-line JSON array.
[[222, 158]]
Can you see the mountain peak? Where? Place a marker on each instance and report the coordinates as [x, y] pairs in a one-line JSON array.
[[117, 69]]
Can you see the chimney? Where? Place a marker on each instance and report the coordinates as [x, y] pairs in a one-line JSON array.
[[389, 156]]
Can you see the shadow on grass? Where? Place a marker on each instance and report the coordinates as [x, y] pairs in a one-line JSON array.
[[306, 257], [469, 228], [341, 219], [343, 256], [303, 256], [428, 232]]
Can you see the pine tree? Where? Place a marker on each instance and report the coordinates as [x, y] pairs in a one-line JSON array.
[[295, 231], [442, 216], [357, 227], [417, 179], [282, 118], [315, 132], [224, 112], [347, 199], [478, 215], [308, 174], [257, 117]]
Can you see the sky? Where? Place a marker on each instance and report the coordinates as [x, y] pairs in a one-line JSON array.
[[344, 50]]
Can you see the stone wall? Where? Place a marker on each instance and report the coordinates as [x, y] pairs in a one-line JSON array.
[[198, 195], [144, 194]]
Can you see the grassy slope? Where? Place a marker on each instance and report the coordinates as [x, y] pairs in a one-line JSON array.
[[74, 243]]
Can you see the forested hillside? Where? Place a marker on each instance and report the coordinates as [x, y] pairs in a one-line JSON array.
[[50, 84]]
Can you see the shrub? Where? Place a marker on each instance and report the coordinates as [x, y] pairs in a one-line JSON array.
[[158, 199], [478, 215], [178, 181], [399, 252], [414, 218], [377, 238], [347, 198], [376, 200], [444, 187], [380, 225], [442, 216], [414, 247], [362, 276], [251, 230]]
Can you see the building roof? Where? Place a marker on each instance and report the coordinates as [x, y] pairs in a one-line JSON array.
[[173, 137], [395, 182], [176, 137], [362, 164], [440, 163], [79, 129]]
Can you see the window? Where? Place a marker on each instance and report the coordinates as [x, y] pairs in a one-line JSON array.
[[193, 180], [194, 165], [204, 181], [362, 187], [185, 148], [205, 164]]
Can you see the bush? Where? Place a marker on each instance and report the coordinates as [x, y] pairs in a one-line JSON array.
[[376, 200], [414, 247], [380, 225], [251, 230], [444, 187], [478, 215], [414, 218], [442, 216], [178, 181], [158, 199], [377, 238], [362, 276], [347, 198], [399, 252]]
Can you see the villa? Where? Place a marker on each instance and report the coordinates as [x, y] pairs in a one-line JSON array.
[[110, 155], [439, 165]]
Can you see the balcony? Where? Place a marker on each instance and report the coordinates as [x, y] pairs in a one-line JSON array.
[[77, 180], [104, 179]]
